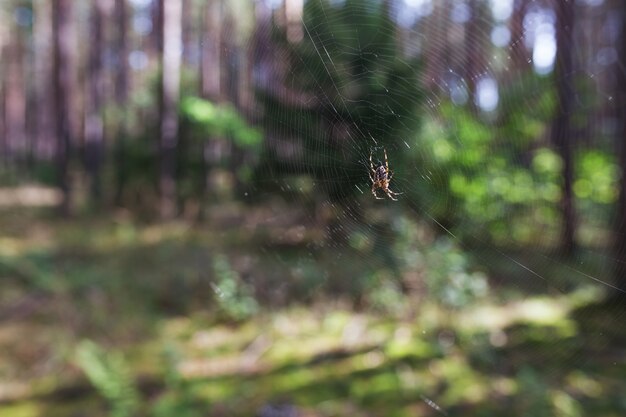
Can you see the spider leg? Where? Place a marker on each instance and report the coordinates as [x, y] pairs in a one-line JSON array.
[[386, 160], [372, 174], [390, 194], [374, 192]]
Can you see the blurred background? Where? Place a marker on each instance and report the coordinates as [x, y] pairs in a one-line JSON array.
[[187, 226]]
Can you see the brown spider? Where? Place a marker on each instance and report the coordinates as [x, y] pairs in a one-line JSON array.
[[380, 177]]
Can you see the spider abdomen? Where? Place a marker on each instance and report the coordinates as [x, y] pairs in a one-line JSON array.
[[381, 173]]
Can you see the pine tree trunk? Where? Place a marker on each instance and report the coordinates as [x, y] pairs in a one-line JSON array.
[[561, 128], [94, 123], [170, 90], [476, 48], [620, 221], [44, 93], [61, 32], [121, 95], [210, 74], [15, 96], [520, 57]]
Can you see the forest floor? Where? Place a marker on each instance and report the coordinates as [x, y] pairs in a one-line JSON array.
[[107, 316]]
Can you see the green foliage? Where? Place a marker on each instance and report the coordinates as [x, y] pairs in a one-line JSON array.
[[489, 178], [508, 185], [44, 172], [508, 193], [444, 268], [359, 91], [596, 188], [178, 400], [220, 120], [536, 398], [500, 181], [138, 164], [597, 177], [233, 296], [386, 295], [202, 123], [34, 271], [111, 376]]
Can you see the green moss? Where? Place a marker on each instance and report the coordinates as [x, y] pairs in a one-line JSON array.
[[25, 409]]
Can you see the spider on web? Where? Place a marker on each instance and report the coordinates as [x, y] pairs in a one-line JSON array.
[[381, 177]]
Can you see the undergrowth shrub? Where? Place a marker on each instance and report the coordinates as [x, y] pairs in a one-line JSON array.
[[234, 298], [445, 268], [109, 373]]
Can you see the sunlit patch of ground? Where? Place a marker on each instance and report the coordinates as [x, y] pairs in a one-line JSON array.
[[392, 367], [29, 196], [365, 363], [143, 291]]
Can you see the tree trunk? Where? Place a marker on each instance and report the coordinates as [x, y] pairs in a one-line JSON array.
[[3, 132], [620, 223], [188, 48], [15, 96], [44, 94], [61, 32], [436, 52], [210, 73], [517, 48], [94, 123], [211, 87], [561, 126], [121, 95], [170, 90], [475, 48], [293, 10], [3, 90]]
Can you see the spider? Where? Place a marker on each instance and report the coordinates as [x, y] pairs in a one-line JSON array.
[[380, 177]]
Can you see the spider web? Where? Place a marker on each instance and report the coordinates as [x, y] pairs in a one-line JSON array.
[[447, 85], [364, 232]]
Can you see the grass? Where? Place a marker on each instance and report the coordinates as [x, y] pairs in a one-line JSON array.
[[145, 294]]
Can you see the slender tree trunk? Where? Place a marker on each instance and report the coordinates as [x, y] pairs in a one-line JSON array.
[[620, 221], [44, 93], [561, 126], [94, 123], [121, 95], [121, 49], [210, 80], [435, 51], [30, 113], [3, 115], [293, 10], [61, 15], [15, 96], [231, 60], [156, 36], [170, 90], [517, 48], [210, 76], [187, 32], [475, 48], [3, 125]]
